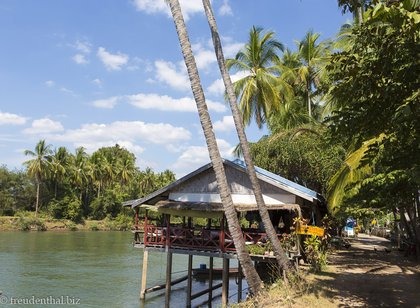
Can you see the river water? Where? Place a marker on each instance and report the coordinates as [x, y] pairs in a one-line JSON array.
[[95, 269]]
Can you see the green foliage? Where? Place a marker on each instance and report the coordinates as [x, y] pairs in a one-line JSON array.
[[316, 252], [31, 223], [376, 96], [76, 186], [306, 157]]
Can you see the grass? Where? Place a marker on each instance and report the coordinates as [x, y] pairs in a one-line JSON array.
[[301, 290]]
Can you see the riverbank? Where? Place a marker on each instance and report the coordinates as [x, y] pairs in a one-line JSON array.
[[30, 223], [368, 274]]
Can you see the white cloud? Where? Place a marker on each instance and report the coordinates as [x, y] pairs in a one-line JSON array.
[[80, 59], [113, 62], [230, 49], [175, 77], [97, 82], [218, 87], [189, 7], [124, 131], [50, 83], [204, 57], [107, 103], [167, 103], [44, 126], [225, 125], [11, 119], [225, 9], [68, 91], [196, 156], [83, 46]]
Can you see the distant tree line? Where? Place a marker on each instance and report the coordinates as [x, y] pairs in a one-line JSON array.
[[77, 185]]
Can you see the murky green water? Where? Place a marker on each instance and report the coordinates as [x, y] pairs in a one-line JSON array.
[[102, 269]]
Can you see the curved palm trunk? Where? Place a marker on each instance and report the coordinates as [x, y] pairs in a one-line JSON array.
[[251, 275], [282, 260]]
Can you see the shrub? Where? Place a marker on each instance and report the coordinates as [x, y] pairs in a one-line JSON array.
[[29, 223]]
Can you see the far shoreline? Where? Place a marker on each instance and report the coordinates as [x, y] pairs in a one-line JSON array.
[[32, 224]]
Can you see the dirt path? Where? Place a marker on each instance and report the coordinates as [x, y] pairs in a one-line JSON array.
[[369, 274]]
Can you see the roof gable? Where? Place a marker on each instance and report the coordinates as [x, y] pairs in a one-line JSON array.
[[203, 180]]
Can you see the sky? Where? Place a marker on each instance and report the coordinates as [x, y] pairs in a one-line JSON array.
[[104, 72]]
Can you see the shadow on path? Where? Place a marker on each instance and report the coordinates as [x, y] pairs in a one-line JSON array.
[[370, 274]]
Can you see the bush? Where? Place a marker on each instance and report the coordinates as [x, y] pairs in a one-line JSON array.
[[316, 253], [123, 222], [29, 223], [72, 226], [94, 227]]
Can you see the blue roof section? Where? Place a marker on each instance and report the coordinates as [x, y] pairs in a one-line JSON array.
[[279, 179]]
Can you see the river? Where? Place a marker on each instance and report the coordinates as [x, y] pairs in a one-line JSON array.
[[95, 269]]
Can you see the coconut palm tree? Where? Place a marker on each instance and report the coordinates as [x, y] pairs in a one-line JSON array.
[[38, 166], [260, 91], [265, 217], [250, 273], [59, 166], [313, 57], [356, 7]]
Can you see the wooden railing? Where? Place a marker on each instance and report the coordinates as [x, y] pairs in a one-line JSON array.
[[191, 238]]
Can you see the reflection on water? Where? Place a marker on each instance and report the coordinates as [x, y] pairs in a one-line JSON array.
[[101, 268]]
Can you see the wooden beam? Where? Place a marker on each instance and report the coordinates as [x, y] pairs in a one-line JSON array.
[[225, 282], [201, 293], [239, 282], [144, 275], [189, 283], [210, 282], [168, 279], [163, 286]]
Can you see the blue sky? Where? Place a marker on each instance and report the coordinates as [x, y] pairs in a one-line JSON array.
[[100, 72]]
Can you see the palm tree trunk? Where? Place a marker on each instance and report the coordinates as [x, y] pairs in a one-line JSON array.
[[251, 275], [282, 260], [308, 97], [37, 199]]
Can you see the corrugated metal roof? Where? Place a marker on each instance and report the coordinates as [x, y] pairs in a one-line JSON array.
[[279, 179], [263, 174]]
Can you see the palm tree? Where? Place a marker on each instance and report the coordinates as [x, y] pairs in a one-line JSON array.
[[250, 273], [260, 91], [38, 166], [313, 57], [265, 217], [59, 164], [80, 170], [356, 7]]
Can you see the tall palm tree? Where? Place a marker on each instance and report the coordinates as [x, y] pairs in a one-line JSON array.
[[313, 57], [38, 166], [59, 165], [265, 217], [260, 91], [80, 170], [250, 273]]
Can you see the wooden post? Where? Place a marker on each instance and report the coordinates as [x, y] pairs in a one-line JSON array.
[[137, 218], [239, 282], [168, 279], [222, 234], [144, 275], [168, 231], [225, 281], [210, 282], [189, 282], [145, 229]]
